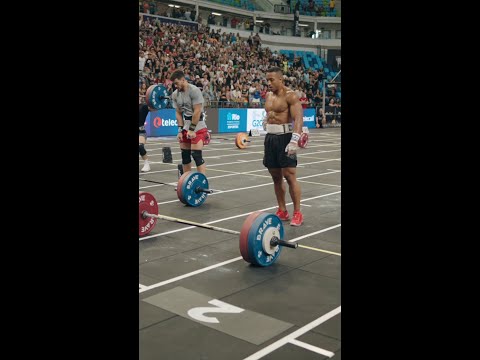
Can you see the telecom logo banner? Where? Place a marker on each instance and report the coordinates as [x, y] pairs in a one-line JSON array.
[[161, 123], [309, 117]]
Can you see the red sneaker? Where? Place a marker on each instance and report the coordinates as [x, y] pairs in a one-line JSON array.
[[283, 215], [297, 219]]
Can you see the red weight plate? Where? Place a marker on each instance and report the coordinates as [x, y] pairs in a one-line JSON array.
[[240, 140], [180, 194], [147, 95], [247, 224], [303, 142], [146, 202]]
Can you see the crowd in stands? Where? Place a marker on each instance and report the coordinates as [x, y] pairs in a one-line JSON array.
[[229, 69], [313, 7]]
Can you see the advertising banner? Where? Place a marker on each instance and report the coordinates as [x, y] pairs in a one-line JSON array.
[[161, 123], [232, 120], [255, 119], [309, 117]]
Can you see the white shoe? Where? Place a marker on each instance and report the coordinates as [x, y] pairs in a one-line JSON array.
[[146, 168]]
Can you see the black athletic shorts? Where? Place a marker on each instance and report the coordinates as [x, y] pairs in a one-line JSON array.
[[275, 155]]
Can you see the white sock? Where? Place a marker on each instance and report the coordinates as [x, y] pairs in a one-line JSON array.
[[145, 162]]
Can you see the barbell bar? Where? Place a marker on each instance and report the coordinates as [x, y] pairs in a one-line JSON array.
[[260, 236]]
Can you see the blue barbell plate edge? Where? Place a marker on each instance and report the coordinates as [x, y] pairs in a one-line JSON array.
[[191, 192], [255, 248], [155, 94]]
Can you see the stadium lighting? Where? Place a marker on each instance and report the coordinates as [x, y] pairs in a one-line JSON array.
[[302, 24], [259, 21], [216, 14]]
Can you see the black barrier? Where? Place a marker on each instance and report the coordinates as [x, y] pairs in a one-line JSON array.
[[333, 115], [211, 120]]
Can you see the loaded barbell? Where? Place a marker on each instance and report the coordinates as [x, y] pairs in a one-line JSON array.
[[241, 140], [260, 238], [192, 188]]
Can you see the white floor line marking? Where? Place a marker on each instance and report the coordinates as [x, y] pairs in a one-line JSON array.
[[279, 343], [141, 286], [237, 154], [230, 148], [267, 184], [246, 173], [301, 156], [210, 165], [249, 187], [317, 152], [140, 160], [150, 186], [319, 250], [172, 201], [230, 173], [146, 288], [234, 217], [268, 176], [265, 169], [184, 276], [317, 162], [156, 171], [315, 233], [231, 163], [312, 348], [317, 183], [212, 157]]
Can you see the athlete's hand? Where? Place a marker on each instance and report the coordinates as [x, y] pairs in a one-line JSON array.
[[180, 136], [191, 134], [292, 146]]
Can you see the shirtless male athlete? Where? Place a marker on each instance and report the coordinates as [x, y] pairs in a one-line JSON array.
[[280, 147]]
